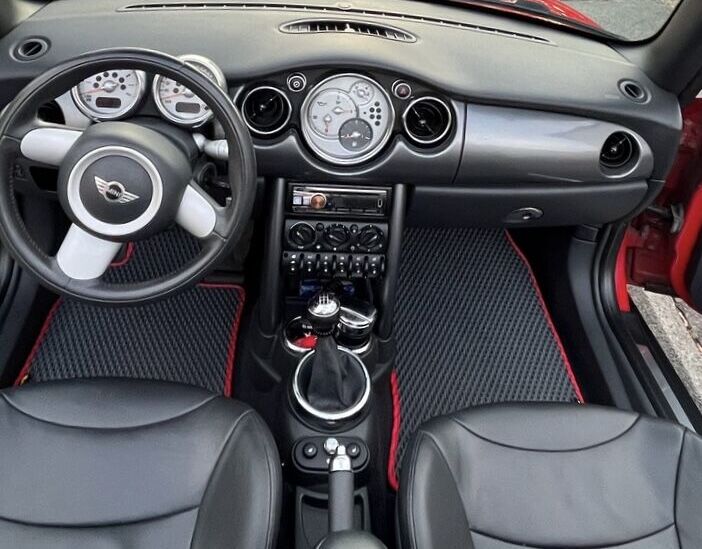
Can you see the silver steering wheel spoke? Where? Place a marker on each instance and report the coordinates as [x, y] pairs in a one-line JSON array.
[[83, 256], [198, 213], [49, 144]]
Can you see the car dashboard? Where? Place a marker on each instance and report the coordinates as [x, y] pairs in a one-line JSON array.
[[490, 120]]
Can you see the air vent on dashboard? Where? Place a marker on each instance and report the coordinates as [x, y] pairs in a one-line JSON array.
[[427, 120], [30, 49], [618, 151], [309, 26], [335, 10], [266, 110]]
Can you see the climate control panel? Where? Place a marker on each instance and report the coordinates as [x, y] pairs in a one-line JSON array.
[[328, 249], [335, 236]]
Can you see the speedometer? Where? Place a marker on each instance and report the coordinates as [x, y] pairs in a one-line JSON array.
[[109, 95], [347, 119], [178, 103]]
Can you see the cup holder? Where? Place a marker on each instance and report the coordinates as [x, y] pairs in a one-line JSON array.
[[301, 379]]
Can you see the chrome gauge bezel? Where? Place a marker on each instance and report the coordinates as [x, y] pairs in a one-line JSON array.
[[281, 126], [117, 115], [425, 142], [309, 133], [192, 60]]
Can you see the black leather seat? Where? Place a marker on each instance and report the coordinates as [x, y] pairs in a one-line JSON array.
[[557, 476], [118, 463]]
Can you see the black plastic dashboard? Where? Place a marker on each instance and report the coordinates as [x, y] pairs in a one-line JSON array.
[[531, 106]]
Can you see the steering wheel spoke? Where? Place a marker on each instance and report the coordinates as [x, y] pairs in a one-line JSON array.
[[198, 213], [83, 256], [48, 144]]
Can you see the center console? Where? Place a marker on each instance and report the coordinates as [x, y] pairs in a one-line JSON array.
[[323, 348], [336, 233]]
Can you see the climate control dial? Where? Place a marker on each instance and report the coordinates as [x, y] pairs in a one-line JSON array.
[[336, 235], [370, 238], [302, 235]]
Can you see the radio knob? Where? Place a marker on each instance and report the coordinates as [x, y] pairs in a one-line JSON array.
[[318, 201], [336, 235], [302, 235], [370, 238]]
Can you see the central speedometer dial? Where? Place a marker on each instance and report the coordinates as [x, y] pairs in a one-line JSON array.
[[329, 110], [347, 119]]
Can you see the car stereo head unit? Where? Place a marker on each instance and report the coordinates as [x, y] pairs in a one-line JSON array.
[[309, 199]]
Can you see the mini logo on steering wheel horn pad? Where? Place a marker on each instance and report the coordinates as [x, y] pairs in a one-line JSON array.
[[114, 191]]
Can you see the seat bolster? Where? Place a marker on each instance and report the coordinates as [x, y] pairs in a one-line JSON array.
[[242, 501], [688, 494], [431, 512]]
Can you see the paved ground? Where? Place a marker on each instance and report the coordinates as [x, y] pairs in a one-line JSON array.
[[678, 330], [632, 19]]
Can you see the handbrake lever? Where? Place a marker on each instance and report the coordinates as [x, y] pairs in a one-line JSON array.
[[341, 485]]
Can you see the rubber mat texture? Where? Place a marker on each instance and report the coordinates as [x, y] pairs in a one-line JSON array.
[[471, 329], [188, 338]]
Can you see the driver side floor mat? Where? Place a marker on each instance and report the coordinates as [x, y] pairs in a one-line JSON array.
[[188, 338], [471, 328]]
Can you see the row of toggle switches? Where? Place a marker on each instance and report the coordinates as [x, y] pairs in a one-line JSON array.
[[333, 265]]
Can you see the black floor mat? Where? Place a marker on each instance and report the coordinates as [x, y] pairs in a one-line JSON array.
[[471, 329], [188, 338]]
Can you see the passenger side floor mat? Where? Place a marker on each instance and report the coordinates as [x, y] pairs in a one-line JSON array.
[[188, 338], [471, 328]]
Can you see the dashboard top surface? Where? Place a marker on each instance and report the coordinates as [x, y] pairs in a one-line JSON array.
[[473, 55]]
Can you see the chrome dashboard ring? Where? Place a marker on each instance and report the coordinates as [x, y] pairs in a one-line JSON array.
[[103, 117], [192, 60], [278, 128], [308, 133]]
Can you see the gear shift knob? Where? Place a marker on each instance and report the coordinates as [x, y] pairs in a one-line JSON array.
[[323, 312]]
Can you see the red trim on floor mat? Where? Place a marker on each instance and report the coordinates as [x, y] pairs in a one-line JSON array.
[[233, 333], [549, 320], [395, 435], [128, 254], [231, 347], [24, 372]]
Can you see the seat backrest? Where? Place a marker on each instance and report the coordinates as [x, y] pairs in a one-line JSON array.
[[121, 463], [551, 475]]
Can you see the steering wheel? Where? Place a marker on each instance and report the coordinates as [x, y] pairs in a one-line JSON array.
[[121, 182]]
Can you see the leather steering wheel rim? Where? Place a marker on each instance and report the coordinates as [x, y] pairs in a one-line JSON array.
[[20, 117]]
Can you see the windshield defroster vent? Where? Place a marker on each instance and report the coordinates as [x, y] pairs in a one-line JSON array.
[[334, 10], [312, 26]]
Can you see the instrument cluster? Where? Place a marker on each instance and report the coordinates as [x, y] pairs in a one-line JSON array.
[[116, 94], [348, 118], [344, 119]]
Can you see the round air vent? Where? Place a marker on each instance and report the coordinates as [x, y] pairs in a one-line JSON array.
[[30, 49], [427, 120], [618, 151], [633, 90], [266, 110]]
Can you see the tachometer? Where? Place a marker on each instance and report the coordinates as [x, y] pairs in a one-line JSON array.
[[109, 95], [180, 105], [347, 119]]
